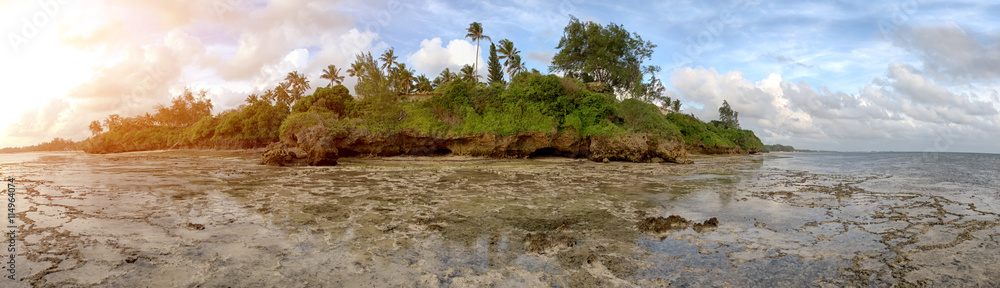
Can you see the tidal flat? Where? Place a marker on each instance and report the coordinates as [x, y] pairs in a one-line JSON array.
[[196, 218]]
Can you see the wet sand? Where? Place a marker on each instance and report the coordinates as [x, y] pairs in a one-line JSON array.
[[190, 218]]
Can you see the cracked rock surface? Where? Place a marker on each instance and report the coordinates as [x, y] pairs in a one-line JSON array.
[[217, 218]]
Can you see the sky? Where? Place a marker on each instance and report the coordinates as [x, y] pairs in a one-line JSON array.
[[908, 75]]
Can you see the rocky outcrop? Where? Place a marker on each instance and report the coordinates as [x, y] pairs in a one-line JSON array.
[[637, 148], [277, 154], [317, 146], [311, 146]]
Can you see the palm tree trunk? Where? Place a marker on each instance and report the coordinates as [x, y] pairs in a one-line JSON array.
[[476, 66]]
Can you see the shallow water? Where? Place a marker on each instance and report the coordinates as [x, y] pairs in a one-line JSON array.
[[786, 220]]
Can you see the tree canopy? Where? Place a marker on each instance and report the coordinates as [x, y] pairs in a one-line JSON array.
[[495, 70], [609, 54], [333, 74], [184, 110], [727, 117]]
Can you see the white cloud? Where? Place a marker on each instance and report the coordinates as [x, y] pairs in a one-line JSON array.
[[433, 57], [905, 111], [950, 54], [543, 57]]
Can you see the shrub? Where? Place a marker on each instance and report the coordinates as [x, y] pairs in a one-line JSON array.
[[337, 100], [642, 117]]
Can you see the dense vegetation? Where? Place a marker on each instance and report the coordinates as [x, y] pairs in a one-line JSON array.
[[779, 148], [391, 99], [57, 144]]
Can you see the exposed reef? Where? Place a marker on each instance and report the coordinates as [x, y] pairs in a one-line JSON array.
[[313, 146]]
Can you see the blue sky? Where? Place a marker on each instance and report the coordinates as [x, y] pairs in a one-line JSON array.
[[834, 75]]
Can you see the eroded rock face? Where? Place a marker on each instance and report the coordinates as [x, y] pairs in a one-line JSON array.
[[319, 146], [323, 154], [277, 154], [636, 148], [316, 146]]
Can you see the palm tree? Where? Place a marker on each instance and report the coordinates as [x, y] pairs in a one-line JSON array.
[[388, 58], [298, 84], [475, 32], [447, 75], [469, 73], [515, 66], [280, 94], [355, 70], [402, 78], [507, 50], [423, 84], [443, 78], [333, 73], [254, 98]]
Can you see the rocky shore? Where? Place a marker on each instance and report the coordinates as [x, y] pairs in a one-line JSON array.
[[316, 147]]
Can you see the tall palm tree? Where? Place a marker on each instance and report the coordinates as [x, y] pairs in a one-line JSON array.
[[388, 58], [507, 52], [333, 73], [298, 84], [475, 32]]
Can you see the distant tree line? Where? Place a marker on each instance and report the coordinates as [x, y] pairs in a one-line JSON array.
[[57, 144], [779, 148]]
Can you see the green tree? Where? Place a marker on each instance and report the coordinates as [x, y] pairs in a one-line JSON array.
[[253, 98], [184, 110], [493, 66], [355, 70], [388, 59], [423, 84], [372, 82], [444, 78], [95, 127], [611, 55], [335, 99], [298, 86], [113, 122], [728, 117], [402, 79], [280, 93], [333, 74], [507, 53], [468, 73], [475, 32], [516, 66]]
